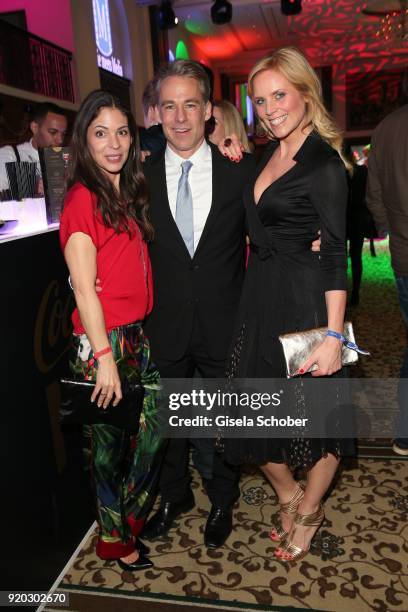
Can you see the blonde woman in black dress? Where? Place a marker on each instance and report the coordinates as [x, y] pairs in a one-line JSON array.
[[300, 187]]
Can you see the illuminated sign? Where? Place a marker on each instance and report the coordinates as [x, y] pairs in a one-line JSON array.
[[103, 36]]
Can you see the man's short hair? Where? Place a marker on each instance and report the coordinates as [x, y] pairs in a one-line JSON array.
[[184, 68], [149, 96], [41, 111]]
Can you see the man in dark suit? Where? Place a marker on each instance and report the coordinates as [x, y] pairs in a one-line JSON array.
[[198, 266]]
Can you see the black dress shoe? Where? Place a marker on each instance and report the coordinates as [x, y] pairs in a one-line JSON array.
[[218, 527], [142, 563], [162, 521], [141, 547]]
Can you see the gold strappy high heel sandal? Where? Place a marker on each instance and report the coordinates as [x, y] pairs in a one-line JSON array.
[[277, 534], [315, 519]]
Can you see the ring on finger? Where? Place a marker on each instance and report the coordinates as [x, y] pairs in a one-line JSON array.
[[227, 142]]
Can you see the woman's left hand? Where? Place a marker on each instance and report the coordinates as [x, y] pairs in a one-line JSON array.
[[327, 356], [231, 147]]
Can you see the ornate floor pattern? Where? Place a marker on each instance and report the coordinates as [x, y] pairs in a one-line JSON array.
[[358, 561]]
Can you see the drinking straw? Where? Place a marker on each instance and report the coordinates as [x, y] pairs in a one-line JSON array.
[[24, 178], [12, 179], [20, 185], [30, 170]]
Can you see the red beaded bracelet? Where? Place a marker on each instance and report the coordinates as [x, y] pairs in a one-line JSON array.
[[104, 351]]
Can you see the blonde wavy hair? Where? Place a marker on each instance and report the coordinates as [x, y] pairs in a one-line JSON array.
[[294, 66], [233, 123]]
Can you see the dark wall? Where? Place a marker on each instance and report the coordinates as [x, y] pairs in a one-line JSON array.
[[117, 85]]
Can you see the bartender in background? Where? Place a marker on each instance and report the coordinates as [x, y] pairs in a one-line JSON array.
[[48, 128]]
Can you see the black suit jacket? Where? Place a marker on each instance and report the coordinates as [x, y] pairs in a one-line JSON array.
[[209, 284]]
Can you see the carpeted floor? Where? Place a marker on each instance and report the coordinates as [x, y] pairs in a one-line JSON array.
[[379, 328], [377, 320], [359, 559]]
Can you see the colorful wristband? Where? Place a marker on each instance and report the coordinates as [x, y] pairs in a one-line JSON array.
[[337, 335], [102, 352], [350, 345]]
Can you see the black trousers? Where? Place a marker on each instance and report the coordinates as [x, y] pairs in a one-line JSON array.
[[174, 483]]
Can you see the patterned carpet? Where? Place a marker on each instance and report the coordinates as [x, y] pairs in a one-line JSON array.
[[358, 561]]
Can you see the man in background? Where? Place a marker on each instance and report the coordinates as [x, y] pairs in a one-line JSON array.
[[387, 199], [151, 136], [48, 128]]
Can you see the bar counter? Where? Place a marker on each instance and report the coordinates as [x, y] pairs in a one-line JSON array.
[[38, 475]]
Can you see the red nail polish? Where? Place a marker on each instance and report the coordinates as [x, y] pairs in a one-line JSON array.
[[301, 371]]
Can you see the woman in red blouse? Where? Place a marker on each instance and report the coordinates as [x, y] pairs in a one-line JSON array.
[[104, 232]]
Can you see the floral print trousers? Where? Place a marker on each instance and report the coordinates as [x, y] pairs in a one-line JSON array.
[[124, 468]]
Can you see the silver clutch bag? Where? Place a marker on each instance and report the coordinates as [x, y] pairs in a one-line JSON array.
[[297, 347]]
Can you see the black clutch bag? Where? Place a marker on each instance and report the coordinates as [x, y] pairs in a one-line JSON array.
[[76, 406]]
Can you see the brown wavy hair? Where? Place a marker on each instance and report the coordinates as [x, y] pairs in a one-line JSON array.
[[117, 208]]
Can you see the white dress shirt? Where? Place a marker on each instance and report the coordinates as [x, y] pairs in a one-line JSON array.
[[200, 179], [27, 154]]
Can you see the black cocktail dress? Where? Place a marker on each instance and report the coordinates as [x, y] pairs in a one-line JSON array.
[[285, 284]]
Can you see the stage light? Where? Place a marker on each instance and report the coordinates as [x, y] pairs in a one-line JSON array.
[[291, 7], [167, 18], [221, 12]]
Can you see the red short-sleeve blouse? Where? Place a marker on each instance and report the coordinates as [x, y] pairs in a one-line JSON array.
[[126, 279]]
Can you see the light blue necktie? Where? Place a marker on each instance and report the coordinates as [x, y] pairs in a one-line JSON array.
[[184, 208]]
